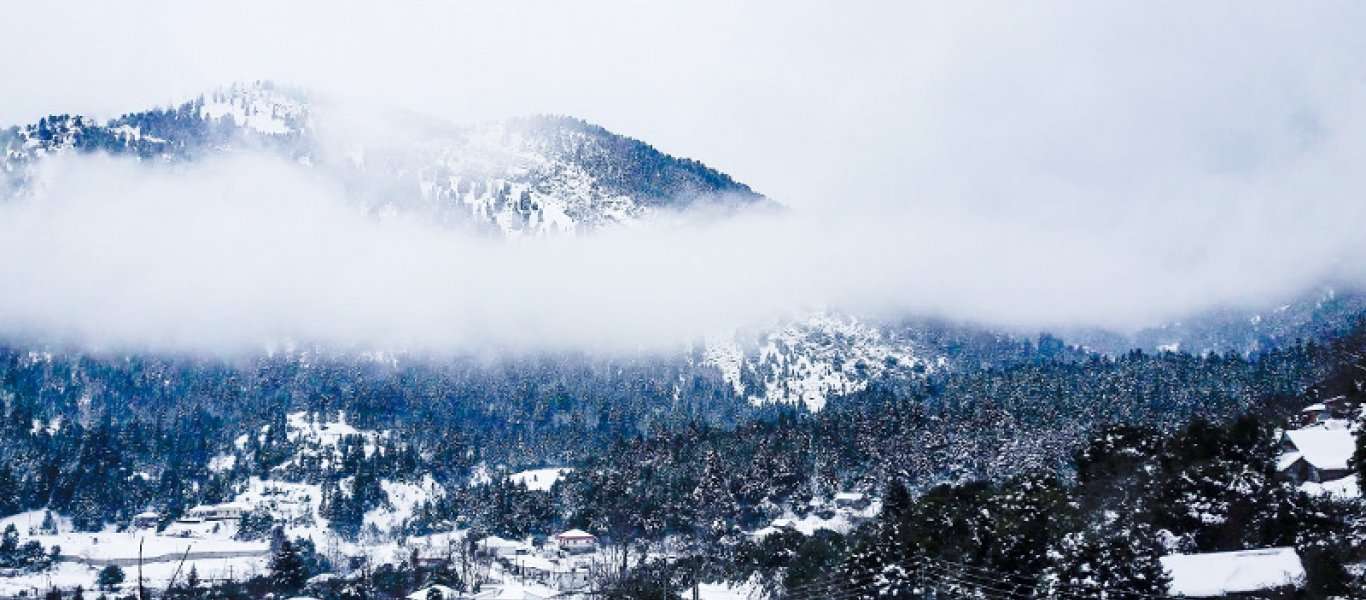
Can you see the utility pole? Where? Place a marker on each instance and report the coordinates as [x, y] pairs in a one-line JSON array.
[[142, 592], [177, 567], [696, 582]]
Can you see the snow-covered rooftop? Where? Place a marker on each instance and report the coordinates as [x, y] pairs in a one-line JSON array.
[[574, 533], [1287, 459], [1324, 448], [1221, 573], [494, 541], [511, 589]]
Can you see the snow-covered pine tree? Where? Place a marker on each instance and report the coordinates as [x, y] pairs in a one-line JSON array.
[[1110, 559], [287, 570]]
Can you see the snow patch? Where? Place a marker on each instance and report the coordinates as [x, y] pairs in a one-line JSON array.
[[809, 361], [539, 479]]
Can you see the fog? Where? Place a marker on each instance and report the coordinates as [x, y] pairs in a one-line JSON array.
[[1026, 167], [247, 252]]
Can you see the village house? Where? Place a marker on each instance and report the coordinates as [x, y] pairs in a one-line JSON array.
[[1314, 414], [563, 575], [502, 548], [576, 541], [1316, 454], [229, 511], [146, 520], [851, 500], [1341, 407]]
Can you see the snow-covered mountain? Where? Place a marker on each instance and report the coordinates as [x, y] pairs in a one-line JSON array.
[[528, 176], [551, 175], [543, 175]]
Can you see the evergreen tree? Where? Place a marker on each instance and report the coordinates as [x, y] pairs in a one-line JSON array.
[[883, 563], [287, 570], [9, 545], [1114, 558], [110, 577], [192, 580]]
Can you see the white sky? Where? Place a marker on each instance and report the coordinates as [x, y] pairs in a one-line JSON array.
[[1029, 163], [810, 102]]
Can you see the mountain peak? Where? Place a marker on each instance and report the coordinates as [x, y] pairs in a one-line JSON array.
[[538, 175]]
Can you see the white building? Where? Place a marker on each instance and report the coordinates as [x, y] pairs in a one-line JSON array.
[[1314, 413], [146, 520], [501, 548], [1218, 574], [216, 512], [576, 540], [562, 574], [854, 500]]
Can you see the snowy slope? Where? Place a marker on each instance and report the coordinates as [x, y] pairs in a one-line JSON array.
[[539, 479], [319, 441], [807, 362], [261, 108], [529, 176], [532, 176]]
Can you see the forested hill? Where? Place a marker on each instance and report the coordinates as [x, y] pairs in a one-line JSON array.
[[142, 424], [662, 454], [542, 175]]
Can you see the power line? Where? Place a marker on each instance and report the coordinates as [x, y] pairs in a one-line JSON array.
[[993, 576], [1085, 593], [950, 577], [833, 580], [1016, 590]]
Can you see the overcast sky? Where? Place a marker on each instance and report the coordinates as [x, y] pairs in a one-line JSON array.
[[1030, 163], [810, 102]]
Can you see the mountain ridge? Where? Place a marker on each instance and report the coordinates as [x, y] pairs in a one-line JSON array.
[[535, 175]]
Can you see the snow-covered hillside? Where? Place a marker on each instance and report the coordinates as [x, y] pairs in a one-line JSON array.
[[317, 442], [543, 175], [808, 361], [262, 108]]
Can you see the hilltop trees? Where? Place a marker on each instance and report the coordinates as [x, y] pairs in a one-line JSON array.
[[147, 427]]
